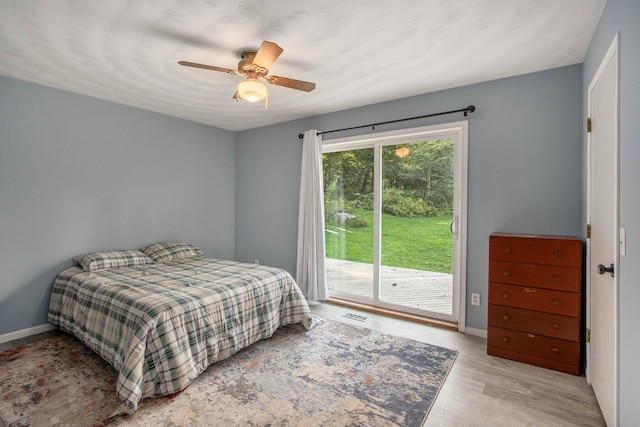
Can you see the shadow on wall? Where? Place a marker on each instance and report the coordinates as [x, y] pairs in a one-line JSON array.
[[30, 301]]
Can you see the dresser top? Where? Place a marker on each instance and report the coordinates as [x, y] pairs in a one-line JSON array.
[[535, 236]]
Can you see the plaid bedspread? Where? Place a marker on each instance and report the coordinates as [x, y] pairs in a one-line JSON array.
[[161, 325]]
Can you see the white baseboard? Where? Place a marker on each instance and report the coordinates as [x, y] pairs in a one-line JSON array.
[[23, 333], [482, 333]]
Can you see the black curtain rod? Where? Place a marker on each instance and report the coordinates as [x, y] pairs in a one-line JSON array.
[[469, 109]]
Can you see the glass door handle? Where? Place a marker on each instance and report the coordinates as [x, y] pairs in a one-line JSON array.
[[453, 227]]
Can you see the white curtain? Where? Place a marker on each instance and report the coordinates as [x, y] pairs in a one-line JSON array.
[[310, 271]]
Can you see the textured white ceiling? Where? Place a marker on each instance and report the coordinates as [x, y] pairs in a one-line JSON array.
[[358, 52]]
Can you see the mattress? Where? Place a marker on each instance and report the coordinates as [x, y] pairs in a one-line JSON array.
[[160, 325]]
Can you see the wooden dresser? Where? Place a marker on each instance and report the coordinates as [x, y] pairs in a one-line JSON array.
[[535, 301]]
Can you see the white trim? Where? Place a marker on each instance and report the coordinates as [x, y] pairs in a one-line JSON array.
[[23, 333], [398, 136], [482, 333], [377, 218], [461, 184]]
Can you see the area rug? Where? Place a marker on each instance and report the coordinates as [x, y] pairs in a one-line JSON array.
[[334, 375]]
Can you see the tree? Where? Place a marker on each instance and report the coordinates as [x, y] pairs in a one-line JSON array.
[[423, 177]]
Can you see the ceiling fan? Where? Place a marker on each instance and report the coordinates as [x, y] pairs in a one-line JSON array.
[[254, 64]]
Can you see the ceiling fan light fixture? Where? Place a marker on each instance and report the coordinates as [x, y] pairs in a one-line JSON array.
[[252, 90], [254, 65]]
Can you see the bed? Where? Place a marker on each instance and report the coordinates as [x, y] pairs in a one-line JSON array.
[[161, 315]]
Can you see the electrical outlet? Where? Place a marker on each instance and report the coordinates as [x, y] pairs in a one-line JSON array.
[[256, 261], [475, 299]]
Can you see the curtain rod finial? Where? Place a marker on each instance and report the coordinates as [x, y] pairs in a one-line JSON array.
[[469, 109], [300, 135]]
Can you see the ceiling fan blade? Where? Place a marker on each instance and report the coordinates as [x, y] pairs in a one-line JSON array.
[[291, 83], [267, 53], [207, 67]]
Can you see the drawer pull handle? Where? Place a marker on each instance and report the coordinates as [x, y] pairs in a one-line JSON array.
[[507, 273], [556, 302], [506, 317], [507, 250], [556, 278], [557, 254], [505, 339], [506, 295], [555, 350], [556, 326]]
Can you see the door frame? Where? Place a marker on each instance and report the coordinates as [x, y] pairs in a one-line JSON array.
[[461, 161], [612, 52]]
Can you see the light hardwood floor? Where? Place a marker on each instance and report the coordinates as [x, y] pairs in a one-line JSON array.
[[483, 390]]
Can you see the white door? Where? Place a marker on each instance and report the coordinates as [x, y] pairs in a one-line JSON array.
[[602, 362]]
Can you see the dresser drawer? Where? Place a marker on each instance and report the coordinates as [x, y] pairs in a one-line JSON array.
[[536, 250], [562, 351], [541, 276], [536, 299], [535, 322]]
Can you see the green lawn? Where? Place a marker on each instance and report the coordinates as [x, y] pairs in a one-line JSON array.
[[421, 243]]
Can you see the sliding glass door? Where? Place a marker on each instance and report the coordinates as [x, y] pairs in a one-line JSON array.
[[348, 204], [393, 219], [417, 209]]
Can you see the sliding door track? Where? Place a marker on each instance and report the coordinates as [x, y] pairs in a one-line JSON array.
[[395, 313]]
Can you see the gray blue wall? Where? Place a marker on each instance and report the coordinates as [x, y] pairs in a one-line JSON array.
[[622, 16], [78, 174], [525, 167]]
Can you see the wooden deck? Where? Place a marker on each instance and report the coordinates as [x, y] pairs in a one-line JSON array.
[[424, 290]]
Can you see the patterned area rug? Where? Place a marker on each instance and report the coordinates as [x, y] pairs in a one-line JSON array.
[[333, 375]]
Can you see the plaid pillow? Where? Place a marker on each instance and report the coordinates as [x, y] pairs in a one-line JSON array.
[[114, 259], [168, 251]]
